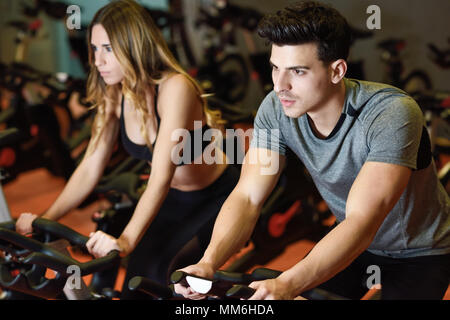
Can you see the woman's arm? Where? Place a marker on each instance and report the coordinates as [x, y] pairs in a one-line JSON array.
[[87, 174], [180, 106], [83, 180]]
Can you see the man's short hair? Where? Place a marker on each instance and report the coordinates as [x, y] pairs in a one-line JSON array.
[[309, 22]]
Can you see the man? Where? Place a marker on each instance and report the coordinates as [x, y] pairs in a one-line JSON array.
[[368, 152]]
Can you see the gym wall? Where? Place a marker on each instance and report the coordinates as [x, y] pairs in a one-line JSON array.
[[51, 51], [417, 21]]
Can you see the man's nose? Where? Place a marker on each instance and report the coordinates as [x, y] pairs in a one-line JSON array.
[[281, 82]]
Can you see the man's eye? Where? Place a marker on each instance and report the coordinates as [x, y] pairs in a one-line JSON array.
[[298, 71]]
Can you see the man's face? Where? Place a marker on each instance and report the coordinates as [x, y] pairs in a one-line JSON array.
[[301, 81]]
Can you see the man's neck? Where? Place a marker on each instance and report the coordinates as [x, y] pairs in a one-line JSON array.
[[324, 118]]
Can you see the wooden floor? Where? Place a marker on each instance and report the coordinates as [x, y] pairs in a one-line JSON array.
[[34, 191]]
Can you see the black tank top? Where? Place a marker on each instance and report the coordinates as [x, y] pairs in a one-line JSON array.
[[142, 152]]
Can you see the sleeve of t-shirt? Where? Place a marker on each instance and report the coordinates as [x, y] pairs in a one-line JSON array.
[[394, 134], [266, 128]]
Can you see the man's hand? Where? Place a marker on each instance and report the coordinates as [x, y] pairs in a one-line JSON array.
[[202, 270], [272, 289]]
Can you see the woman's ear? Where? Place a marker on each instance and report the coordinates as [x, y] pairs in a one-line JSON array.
[[338, 70]]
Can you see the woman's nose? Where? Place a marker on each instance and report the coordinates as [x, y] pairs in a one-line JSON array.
[[99, 60]]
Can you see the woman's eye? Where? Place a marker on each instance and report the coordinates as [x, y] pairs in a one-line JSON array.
[[108, 49]]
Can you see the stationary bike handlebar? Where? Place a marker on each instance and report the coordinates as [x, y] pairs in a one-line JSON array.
[[440, 57], [224, 285], [41, 253]]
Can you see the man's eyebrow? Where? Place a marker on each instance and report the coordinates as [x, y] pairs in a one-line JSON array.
[[291, 68]]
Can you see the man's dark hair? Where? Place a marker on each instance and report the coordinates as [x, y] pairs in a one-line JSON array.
[[309, 22]]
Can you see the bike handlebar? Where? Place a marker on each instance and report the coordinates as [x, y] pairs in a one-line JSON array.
[[225, 285], [440, 57], [44, 255], [150, 287], [240, 291]]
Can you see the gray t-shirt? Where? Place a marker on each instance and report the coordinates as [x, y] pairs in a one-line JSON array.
[[378, 123]]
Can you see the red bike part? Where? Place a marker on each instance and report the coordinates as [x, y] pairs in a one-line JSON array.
[[278, 221], [35, 25], [446, 103], [14, 273], [34, 130], [7, 157]]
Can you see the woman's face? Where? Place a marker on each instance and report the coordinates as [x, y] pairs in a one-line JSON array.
[[106, 62]]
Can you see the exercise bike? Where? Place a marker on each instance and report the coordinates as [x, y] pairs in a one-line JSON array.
[[24, 267], [414, 82]]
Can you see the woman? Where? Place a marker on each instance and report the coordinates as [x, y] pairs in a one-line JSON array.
[[143, 95]]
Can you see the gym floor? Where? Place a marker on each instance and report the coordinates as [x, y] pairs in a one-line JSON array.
[[35, 191]]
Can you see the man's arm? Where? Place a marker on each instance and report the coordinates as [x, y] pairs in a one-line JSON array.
[[241, 210], [239, 213], [374, 193]]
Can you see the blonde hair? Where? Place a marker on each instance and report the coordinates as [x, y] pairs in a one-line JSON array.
[[144, 56]]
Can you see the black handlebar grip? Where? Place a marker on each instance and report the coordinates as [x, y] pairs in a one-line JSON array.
[[43, 254], [150, 287], [60, 231], [233, 277], [178, 277], [240, 292], [10, 225], [264, 273], [100, 264]]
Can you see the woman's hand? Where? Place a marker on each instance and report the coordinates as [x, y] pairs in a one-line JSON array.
[[100, 244], [24, 223]]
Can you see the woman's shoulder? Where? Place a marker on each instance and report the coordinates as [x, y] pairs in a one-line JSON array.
[[178, 97], [177, 83]]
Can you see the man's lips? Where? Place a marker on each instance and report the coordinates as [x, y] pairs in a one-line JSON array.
[[286, 102]]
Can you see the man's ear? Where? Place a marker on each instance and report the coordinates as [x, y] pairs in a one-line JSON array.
[[338, 70]]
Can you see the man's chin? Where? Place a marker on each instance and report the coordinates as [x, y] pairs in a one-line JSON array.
[[291, 113]]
